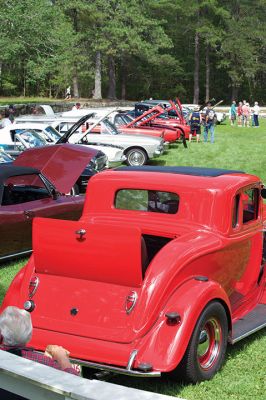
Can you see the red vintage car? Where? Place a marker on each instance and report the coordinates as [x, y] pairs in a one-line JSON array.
[[34, 185], [163, 269], [153, 118]]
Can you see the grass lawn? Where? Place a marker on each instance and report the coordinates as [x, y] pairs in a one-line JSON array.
[[244, 374]]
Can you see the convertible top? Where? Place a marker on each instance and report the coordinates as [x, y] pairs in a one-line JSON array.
[[196, 171], [7, 170]]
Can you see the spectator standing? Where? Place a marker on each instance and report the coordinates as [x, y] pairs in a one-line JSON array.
[[6, 121], [246, 114], [256, 112], [240, 114], [233, 113], [195, 122], [11, 111], [76, 106], [68, 93], [16, 332], [210, 123]]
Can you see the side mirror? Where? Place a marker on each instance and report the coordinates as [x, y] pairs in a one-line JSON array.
[[263, 193], [55, 194]]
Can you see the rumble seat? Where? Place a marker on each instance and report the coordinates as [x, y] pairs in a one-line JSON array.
[[105, 253]]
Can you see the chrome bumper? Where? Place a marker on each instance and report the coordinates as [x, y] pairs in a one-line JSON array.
[[119, 370]]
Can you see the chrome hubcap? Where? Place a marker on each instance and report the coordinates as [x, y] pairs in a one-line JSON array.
[[209, 344], [136, 158]]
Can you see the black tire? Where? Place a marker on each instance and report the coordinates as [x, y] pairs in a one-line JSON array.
[[206, 350], [136, 157]]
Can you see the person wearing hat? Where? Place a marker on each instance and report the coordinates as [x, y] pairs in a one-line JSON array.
[[195, 124]]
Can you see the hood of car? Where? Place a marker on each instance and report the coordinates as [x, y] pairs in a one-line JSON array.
[[62, 164]]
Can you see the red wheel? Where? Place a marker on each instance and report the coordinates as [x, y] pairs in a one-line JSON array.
[[209, 345], [206, 350]]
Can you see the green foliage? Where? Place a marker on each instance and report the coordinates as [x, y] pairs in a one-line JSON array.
[[45, 44]]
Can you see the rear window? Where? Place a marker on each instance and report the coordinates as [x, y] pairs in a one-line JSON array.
[[250, 205], [147, 200]]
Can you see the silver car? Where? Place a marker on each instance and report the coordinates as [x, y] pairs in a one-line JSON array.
[[138, 149]]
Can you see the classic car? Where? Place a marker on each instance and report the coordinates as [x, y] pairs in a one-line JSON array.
[[168, 136], [17, 142], [138, 149], [153, 118], [169, 266], [50, 135], [34, 185]]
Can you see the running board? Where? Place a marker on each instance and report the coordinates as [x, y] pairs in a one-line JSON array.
[[251, 323]]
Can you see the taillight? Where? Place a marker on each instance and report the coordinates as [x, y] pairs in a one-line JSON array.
[[33, 285], [131, 301]]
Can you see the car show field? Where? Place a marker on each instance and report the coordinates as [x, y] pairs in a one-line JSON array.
[[237, 149]]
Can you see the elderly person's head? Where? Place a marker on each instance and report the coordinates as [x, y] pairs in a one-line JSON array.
[[15, 326]]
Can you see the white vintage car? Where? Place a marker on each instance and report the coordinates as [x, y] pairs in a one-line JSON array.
[[19, 136], [138, 149]]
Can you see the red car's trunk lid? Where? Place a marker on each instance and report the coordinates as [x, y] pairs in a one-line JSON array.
[[84, 279]]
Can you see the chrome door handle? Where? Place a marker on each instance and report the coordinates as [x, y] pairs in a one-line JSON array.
[[81, 233]]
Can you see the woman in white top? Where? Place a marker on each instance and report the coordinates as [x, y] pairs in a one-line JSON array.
[[256, 110]]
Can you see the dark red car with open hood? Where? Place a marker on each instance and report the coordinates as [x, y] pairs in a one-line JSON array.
[[35, 185]]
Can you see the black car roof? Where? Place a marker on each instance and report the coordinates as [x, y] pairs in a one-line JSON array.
[[7, 170], [196, 171]]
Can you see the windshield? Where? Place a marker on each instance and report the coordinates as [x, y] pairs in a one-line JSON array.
[[53, 133], [4, 157], [31, 139], [108, 127]]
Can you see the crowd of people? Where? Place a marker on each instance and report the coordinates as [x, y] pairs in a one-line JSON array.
[[243, 115]]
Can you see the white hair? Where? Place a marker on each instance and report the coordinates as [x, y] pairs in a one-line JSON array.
[[15, 326]]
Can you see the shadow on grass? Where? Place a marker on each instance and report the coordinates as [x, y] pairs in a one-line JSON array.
[[167, 386], [241, 346], [163, 385], [157, 163]]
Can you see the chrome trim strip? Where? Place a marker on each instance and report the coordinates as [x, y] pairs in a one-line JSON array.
[[246, 334], [131, 359], [117, 370], [22, 253]]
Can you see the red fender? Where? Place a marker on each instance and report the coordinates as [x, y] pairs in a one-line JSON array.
[[165, 344], [17, 292]]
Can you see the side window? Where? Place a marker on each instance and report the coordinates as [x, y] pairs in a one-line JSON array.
[[250, 199], [235, 218], [147, 200], [24, 188], [118, 120]]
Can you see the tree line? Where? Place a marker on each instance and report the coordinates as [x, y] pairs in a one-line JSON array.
[[133, 49]]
